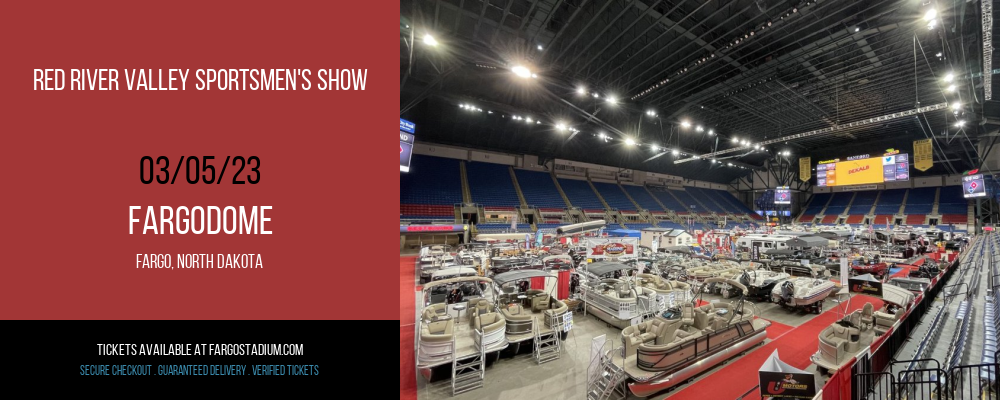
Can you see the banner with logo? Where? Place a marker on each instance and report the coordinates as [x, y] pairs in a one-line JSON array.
[[805, 169], [923, 154], [612, 248], [779, 380], [867, 285]]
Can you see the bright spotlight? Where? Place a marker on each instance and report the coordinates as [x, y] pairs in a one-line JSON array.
[[711, 132], [630, 141], [521, 71], [651, 113], [960, 124], [950, 77], [596, 95], [539, 47], [930, 15], [685, 124], [856, 29], [956, 106], [951, 88], [736, 139], [654, 147], [430, 41], [561, 126], [675, 152], [581, 90], [699, 129], [611, 100], [757, 147], [528, 120], [743, 142]]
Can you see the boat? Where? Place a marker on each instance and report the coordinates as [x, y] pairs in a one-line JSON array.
[[668, 293], [444, 335], [667, 350], [531, 312], [760, 282], [559, 262], [617, 301], [802, 293]]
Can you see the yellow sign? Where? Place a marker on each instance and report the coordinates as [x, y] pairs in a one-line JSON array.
[[805, 169], [856, 172], [923, 154]]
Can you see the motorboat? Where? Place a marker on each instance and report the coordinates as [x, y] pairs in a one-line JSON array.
[[558, 262], [670, 348], [445, 334], [802, 293], [915, 285], [760, 282], [499, 265], [535, 312], [869, 266], [453, 272], [800, 268], [617, 301], [841, 342]]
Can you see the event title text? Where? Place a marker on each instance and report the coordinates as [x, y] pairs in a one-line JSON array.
[[203, 79]]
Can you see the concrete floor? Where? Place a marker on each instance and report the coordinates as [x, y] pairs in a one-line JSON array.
[[520, 378]]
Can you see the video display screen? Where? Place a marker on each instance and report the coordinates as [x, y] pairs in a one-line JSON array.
[[782, 195], [863, 171], [973, 186]]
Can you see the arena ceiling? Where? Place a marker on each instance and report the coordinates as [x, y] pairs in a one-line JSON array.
[[600, 75]]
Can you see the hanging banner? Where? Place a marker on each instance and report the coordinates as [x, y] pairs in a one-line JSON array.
[[805, 169], [923, 154], [611, 248]]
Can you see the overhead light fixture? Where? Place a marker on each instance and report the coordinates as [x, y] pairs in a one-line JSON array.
[[699, 129], [534, 75], [856, 29], [611, 100], [630, 141], [711, 132], [521, 71], [539, 47], [581, 90], [654, 147], [736, 139], [757, 147], [956, 106], [949, 77], [685, 124], [743, 142], [960, 123], [528, 120], [951, 88], [596, 95], [430, 41], [938, 54], [930, 15], [651, 113], [675, 152], [561, 126], [729, 164]]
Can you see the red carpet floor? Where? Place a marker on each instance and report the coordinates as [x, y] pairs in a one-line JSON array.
[[777, 329], [794, 347], [407, 360]]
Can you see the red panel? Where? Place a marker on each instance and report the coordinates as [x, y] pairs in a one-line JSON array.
[[807, 218], [916, 219], [829, 219], [538, 282], [755, 216], [954, 219], [421, 209], [880, 219], [855, 219], [563, 292]]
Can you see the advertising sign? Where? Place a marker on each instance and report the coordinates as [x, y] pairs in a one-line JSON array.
[[782, 195], [779, 380], [805, 169], [891, 167], [405, 151], [973, 186], [865, 286], [611, 248]]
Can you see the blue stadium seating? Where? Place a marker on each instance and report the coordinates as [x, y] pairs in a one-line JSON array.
[[707, 197], [490, 185], [580, 194], [668, 224], [835, 210], [863, 202], [638, 226], [920, 201], [549, 226], [818, 202], [431, 180], [952, 201], [614, 196], [688, 201], [502, 228], [641, 196], [840, 199], [539, 190], [888, 203], [668, 200]]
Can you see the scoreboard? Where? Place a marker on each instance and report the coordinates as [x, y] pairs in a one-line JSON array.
[[406, 129]]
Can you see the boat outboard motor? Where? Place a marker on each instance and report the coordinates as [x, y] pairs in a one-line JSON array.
[[787, 291]]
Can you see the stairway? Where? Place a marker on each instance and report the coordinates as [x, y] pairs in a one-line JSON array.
[[599, 197], [806, 207], [611, 377], [823, 211], [681, 202], [559, 188], [970, 225], [847, 211], [669, 211], [547, 345], [468, 374], [902, 206], [517, 188], [877, 198], [700, 204], [466, 193], [937, 199]]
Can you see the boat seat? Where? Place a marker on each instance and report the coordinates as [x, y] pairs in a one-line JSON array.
[[489, 322], [540, 302], [635, 335], [435, 311], [883, 321], [515, 312], [867, 316], [557, 307], [687, 314], [438, 331], [701, 318]]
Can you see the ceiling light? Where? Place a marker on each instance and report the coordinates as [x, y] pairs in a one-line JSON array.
[[685, 124], [960, 124], [651, 113], [534, 75], [956, 105], [949, 77], [699, 129], [711, 132], [856, 29], [611, 100], [729, 164], [630, 141], [757, 147], [528, 120], [951, 89], [521, 71], [930, 15], [736, 139], [430, 41], [539, 47], [938, 54], [675, 152], [538, 122], [561, 126], [581, 90], [654, 147], [743, 142], [932, 24]]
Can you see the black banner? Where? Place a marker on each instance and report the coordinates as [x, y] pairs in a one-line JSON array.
[[780, 385], [866, 287]]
